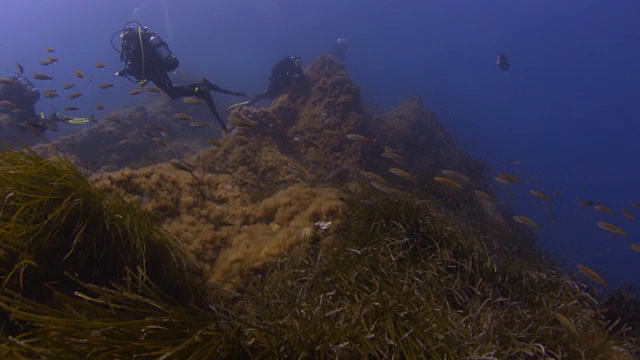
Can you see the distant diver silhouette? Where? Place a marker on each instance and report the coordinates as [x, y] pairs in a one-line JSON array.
[[503, 63]]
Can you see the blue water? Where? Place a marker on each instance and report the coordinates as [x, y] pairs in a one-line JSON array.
[[568, 109]]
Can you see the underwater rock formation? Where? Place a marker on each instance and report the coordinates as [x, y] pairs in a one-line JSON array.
[[324, 248]]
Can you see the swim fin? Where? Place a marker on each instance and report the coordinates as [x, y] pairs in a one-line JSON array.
[[238, 104]]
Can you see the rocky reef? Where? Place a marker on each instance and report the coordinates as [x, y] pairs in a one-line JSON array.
[[319, 231]]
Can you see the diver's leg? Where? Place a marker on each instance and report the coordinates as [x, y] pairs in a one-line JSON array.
[[216, 88]]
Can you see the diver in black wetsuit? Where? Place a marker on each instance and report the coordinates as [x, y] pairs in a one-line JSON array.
[[284, 75], [18, 97], [148, 58]]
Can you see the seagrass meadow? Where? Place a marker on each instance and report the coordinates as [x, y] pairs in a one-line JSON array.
[[290, 238]]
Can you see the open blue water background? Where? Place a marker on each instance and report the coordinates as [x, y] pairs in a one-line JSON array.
[[569, 109]]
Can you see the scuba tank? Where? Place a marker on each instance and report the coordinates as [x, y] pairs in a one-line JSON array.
[[160, 50]]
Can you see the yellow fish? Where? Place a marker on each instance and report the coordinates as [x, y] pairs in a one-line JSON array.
[[373, 177], [40, 76], [182, 116], [136, 91], [78, 74], [635, 247], [105, 85], [540, 194], [358, 137], [604, 209], [525, 220], [610, 228], [100, 64], [74, 95], [68, 85], [99, 107], [192, 101], [483, 195], [446, 181], [626, 213], [456, 175], [403, 174], [591, 274]]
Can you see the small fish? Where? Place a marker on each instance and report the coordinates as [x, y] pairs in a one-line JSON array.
[[591, 274], [635, 247], [541, 195], [298, 167], [50, 93], [626, 213], [165, 134], [383, 188], [393, 156], [181, 165], [71, 108], [68, 85], [99, 107], [193, 101], [52, 59], [153, 89], [240, 138], [136, 91], [456, 175], [635, 204], [483, 195], [502, 180], [40, 76], [403, 174], [7, 81], [49, 49], [182, 116], [307, 141], [214, 142], [45, 62], [20, 68], [510, 177], [105, 85], [525, 220], [358, 137], [373, 177], [100, 64], [604, 209], [588, 203], [78, 74], [199, 124], [75, 95], [446, 181], [610, 228], [389, 149], [318, 158], [17, 111], [160, 141]]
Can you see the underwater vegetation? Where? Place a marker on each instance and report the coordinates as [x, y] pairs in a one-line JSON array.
[[310, 231]]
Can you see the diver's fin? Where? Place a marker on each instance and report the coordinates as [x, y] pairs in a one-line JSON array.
[[238, 104], [77, 120]]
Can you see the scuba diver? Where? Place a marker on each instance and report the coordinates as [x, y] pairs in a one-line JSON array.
[[147, 58], [284, 75], [503, 63], [18, 97]]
